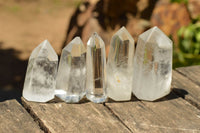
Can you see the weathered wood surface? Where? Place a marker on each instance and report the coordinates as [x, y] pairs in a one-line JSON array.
[[15, 119], [187, 89], [85, 117], [177, 112], [192, 73], [170, 114]]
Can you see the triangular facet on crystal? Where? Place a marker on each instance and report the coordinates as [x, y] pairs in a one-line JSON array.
[[75, 47], [41, 72], [155, 35], [95, 41], [44, 49], [124, 35]]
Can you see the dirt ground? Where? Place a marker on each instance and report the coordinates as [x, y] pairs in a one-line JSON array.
[[23, 25]]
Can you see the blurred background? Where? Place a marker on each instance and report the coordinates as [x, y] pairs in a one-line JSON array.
[[26, 23]]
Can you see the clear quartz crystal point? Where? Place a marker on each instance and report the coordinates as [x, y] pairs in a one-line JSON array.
[[96, 69], [71, 77], [120, 66], [152, 72], [41, 72]]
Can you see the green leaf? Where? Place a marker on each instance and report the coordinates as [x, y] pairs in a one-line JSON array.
[[181, 57], [198, 36], [188, 33]]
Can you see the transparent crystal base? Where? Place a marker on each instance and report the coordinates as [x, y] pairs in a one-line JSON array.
[[70, 98], [73, 99], [37, 98], [96, 98]]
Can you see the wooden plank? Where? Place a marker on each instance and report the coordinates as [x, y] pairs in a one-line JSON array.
[[85, 117], [15, 119], [187, 89], [192, 72], [171, 114]]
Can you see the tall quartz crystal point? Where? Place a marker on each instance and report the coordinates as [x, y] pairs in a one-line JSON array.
[[120, 66], [152, 72], [96, 69], [71, 77], [40, 82]]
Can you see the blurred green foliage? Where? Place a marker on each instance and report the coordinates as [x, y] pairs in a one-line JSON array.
[[187, 51], [179, 1]]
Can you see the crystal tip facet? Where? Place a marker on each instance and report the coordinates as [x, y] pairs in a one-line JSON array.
[[155, 35], [95, 41], [77, 40]]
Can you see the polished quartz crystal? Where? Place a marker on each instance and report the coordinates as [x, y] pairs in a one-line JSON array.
[[152, 72], [96, 69], [41, 72], [120, 66], [71, 77]]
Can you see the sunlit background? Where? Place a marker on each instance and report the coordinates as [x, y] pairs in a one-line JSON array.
[[26, 23]]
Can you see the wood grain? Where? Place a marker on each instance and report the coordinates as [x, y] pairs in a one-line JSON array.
[[171, 114], [15, 119], [187, 89], [192, 73], [85, 117]]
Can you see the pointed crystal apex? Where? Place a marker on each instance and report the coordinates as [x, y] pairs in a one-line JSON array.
[[44, 49], [75, 47], [152, 72], [120, 66], [71, 77], [95, 41], [155, 35], [39, 82], [77, 40], [121, 30], [96, 69]]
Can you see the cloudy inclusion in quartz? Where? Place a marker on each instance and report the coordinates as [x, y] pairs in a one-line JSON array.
[[96, 69], [120, 66], [40, 77], [71, 77], [152, 72]]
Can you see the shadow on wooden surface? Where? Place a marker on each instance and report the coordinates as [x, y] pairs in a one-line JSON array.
[[180, 91], [12, 71], [173, 95]]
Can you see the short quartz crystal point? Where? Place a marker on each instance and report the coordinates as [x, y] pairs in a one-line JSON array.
[[96, 69], [152, 72], [41, 72], [120, 66], [71, 77]]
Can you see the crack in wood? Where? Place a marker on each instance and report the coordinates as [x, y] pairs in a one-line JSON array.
[[117, 117], [35, 117], [190, 100]]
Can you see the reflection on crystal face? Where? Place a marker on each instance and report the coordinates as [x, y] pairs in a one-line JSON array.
[[152, 65], [120, 66], [39, 83], [96, 72], [71, 76], [97, 67]]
